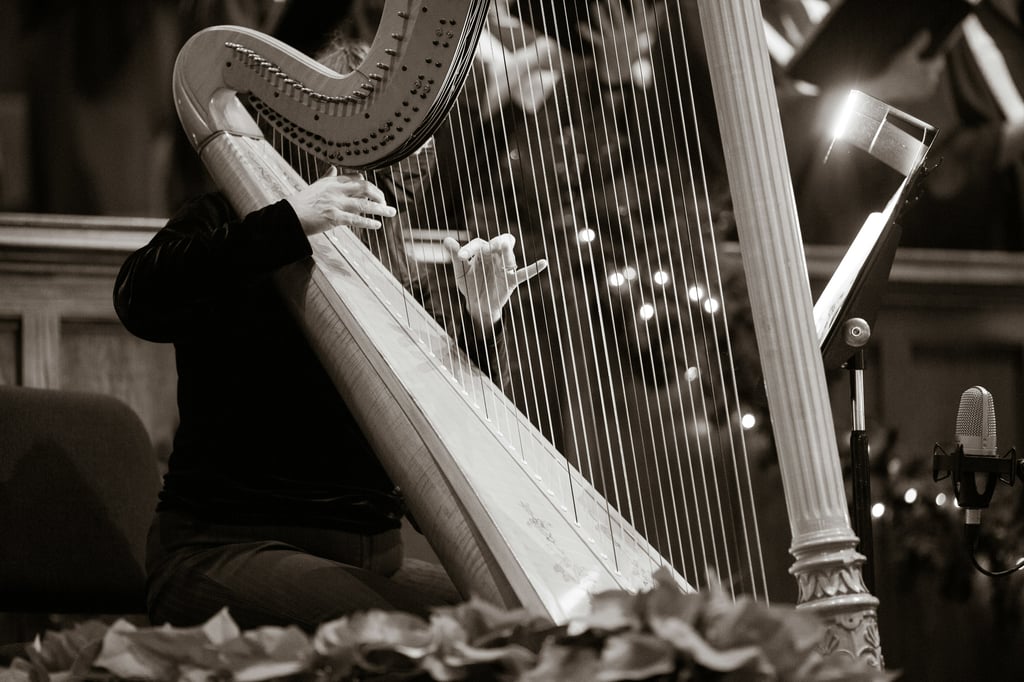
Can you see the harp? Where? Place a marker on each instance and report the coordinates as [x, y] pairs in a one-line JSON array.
[[527, 500]]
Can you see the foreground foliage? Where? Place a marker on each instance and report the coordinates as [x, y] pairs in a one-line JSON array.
[[661, 634]]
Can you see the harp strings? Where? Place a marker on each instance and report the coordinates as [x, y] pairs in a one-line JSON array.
[[631, 156], [504, 213], [741, 460], [621, 351], [615, 426], [532, 176], [636, 158], [724, 506], [538, 334], [699, 509], [744, 503], [620, 426]]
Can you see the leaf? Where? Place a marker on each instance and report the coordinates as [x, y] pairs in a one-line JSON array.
[[666, 599], [561, 663], [483, 620], [332, 636], [519, 656], [20, 670], [83, 665], [476, 637], [610, 611], [649, 635], [180, 643], [267, 653], [447, 628], [124, 658], [635, 656], [788, 638], [441, 671], [405, 633], [335, 641], [63, 649], [33, 668], [461, 661], [688, 641], [217, 646], [376, 641]]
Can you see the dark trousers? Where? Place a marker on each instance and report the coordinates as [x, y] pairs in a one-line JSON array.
[[281, 575]]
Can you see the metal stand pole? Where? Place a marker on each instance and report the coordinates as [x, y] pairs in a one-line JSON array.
[[860, 455]]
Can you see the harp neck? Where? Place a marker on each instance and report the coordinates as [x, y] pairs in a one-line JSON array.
[[372, 117]]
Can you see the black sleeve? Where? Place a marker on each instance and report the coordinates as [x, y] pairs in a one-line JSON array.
[[488, 351], [164, 290]]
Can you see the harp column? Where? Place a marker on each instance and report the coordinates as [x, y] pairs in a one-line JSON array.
[[827, 566]]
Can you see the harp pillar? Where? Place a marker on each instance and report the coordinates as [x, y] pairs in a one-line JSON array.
[[827, 566]]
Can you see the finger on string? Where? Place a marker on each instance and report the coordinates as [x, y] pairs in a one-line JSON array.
[[531, 271], [452, 245], [470, 250], [504, 244], [505, 240], [458, 265], [362, 188], [368, 206], [374, 192], [380, 208], [331, 171], [360, 222]]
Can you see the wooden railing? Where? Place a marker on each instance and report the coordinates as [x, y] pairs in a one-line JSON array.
[[948, 318]]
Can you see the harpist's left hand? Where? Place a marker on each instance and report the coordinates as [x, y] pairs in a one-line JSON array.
[[486, 275]]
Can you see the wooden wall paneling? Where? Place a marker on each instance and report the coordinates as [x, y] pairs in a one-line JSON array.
[[99, 355], [60, 329], [40, 346], [10, 344]]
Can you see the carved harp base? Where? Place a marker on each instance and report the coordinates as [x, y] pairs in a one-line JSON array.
[[831, 585]]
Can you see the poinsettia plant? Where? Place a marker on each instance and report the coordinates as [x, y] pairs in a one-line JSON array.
[[660, 634]]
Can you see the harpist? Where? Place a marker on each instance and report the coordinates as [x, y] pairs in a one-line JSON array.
[[274, 504]]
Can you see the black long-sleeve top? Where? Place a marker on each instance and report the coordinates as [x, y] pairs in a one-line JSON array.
[[263, 437]]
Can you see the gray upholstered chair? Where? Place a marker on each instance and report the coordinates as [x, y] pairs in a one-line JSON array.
[[78, 484]]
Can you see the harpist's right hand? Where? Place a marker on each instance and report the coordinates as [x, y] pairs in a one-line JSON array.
[[335, 200]]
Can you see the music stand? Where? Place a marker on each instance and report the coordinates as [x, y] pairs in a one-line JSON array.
[[846, 309]]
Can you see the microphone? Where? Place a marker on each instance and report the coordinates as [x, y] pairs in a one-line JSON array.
[[975, 467], [975, 482]]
